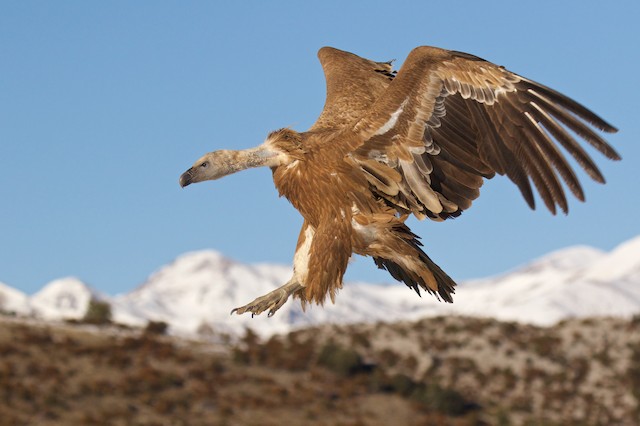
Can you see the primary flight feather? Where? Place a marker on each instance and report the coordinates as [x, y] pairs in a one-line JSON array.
[[420, 141]]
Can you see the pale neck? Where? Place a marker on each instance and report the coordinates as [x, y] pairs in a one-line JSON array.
[[255, 157]]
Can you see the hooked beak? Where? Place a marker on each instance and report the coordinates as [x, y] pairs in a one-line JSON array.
[[186, 178]]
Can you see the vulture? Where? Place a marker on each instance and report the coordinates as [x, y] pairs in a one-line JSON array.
[[419, 141]]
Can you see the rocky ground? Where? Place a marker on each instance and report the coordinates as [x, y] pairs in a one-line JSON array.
[[449, 370]]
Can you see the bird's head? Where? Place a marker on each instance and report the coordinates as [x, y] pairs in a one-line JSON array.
[[217, 164], [211, 166]]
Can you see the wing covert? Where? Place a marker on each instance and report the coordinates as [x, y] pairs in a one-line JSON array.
[[353, 85], [448, 120]]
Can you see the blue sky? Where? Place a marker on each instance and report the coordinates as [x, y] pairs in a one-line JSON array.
[[104, 104]]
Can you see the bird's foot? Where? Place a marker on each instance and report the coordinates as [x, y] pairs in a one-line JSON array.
[[271, 301]]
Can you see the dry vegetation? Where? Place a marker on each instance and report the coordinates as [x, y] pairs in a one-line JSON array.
[[453, 371]]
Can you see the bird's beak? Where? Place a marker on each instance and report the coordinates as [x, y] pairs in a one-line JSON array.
[[186, 178]]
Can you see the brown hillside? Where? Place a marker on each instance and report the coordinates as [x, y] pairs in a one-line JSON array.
[[452, 370]]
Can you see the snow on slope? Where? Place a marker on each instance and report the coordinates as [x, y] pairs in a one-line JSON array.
[[12, 300], [201, 288], [546, 291], [66, 298], [621, 265]]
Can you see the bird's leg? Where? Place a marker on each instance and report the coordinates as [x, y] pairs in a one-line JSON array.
[[271, 301]]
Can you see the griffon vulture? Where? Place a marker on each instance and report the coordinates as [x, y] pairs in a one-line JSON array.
[[420, 141]]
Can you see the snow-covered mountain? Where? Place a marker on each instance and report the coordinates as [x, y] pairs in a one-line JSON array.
[[64, 298], [12, 300], [569, 283], [201, 288], [198, 291]]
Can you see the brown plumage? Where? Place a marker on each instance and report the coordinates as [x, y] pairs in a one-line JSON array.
[[418, 142]]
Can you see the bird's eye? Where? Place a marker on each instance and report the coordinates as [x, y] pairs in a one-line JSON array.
[[204, 165]]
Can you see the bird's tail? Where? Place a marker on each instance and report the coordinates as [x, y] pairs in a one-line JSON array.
[[417, 270]]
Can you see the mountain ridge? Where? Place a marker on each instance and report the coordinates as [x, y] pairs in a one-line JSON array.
[[199, 289]]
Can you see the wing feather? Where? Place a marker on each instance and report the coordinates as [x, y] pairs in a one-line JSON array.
[[569, 143], [576, 125], [449, 119], [500, 152], [353, 85], [551, 151]]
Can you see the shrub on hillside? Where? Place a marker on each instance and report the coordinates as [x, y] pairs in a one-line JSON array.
[[342, 361], [98, 313], [156, 327]]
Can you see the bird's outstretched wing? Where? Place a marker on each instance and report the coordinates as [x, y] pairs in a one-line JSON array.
[[353, 85], [449, 119]]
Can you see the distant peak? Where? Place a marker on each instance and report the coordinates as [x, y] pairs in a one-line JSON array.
[[67, 283], [572, 257], [566, 259], [631, 246], [202, 259], [188, 264], [199, 255]]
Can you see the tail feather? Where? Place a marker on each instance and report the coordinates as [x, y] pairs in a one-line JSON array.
[[445, 285], [397, 273], [398, 250]]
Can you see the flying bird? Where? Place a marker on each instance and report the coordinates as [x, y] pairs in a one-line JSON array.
[[419, 141]]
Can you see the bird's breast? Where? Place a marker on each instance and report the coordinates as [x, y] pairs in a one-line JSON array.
[[316, 190]]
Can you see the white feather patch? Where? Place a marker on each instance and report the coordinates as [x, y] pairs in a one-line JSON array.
[[301, 258], [391, 122], [419, 185]]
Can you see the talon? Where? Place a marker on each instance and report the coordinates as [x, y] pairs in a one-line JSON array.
[[271, 301]]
